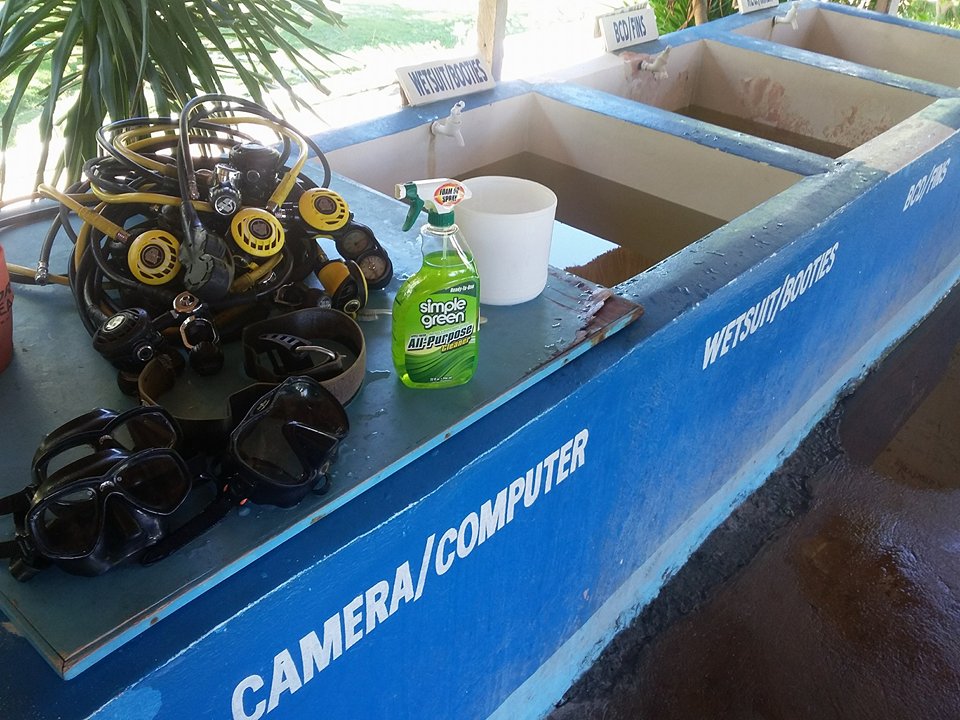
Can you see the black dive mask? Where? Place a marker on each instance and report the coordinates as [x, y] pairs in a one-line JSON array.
[[285, 444], [105, 484], [278, 453], [106, 506], [99, 429]]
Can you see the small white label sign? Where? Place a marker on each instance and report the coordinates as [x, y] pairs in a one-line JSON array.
[[443, 79], [749, 6], [628, 27]]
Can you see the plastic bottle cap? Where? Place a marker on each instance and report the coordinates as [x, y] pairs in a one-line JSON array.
[[440, 219]]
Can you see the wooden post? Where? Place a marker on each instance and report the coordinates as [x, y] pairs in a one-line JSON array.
[[491, 29], [700, 12]]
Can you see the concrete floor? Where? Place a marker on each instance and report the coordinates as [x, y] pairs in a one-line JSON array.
[[834, 592]]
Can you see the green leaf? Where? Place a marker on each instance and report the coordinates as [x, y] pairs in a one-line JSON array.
[[18, 36], [23, 82], [207, 24], [105, 56], [197, 54], [144, 44], [6, 123], [174, 70], [161, 98], [58, 63]]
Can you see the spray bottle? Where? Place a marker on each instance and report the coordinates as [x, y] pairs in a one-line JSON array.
[[436, 314]]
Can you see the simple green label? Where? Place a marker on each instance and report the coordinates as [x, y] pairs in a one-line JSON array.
[[443, 347]]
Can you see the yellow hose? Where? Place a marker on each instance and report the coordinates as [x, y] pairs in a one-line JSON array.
[[146, 198], [83, 238], [86, 214], [128, 142], [249, 279], [120, 143], [24, 270]]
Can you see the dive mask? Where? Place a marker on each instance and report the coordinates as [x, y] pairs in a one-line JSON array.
[[285, 444], [100, 429], [279, 451], [105, 507], [106, 484]]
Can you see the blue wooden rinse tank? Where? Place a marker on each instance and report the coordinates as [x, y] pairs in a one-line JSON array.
[[771, 219]]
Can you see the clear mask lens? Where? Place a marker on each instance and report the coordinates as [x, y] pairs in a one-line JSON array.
[[152, 430]]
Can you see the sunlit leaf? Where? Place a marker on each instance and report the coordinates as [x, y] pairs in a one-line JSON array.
[[120, 58]]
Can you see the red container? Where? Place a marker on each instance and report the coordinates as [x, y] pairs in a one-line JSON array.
[[6, 314]]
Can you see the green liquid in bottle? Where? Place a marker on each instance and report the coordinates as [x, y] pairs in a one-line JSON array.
[[436, 314]]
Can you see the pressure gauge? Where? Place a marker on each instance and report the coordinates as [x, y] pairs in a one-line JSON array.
[[355, 240], [376, 268], [358, 243]]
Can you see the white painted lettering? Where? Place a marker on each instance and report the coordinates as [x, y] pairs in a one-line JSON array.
[[727, 335], [764, 311], [351, 622], [316, 654], [563, 467], [926, 184], [548, 462], [712, 348], [514, 493], [469, 528], [774, 297], [579, 456], [787, 296], [402, 587], [492, 516], [736, 329], [532, 488], [376, 610], [424, 566], [450, 536], [252, 683], [364, 612], [285, 679]]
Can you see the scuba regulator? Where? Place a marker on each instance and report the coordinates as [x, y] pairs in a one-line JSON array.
[[327, 214], [129, 340], [200, 207]]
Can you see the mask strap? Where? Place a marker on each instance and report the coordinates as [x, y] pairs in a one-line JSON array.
[[192, 529], [311, 328], [20, 567], [10, 549], [15, 503], [11, 505]]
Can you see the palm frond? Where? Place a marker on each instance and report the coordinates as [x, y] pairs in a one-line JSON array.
[[127, 57]]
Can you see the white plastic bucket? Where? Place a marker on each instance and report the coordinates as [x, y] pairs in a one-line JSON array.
[[508, 224]]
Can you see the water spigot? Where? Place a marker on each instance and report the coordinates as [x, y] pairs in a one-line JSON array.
[[788, 18], [450, 125], [657, 64]]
